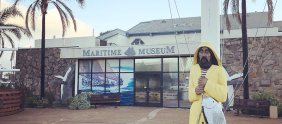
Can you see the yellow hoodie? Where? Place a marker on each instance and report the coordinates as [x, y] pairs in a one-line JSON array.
[[216, 85]]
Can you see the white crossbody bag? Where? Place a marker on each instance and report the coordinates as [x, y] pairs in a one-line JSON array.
[[212, 111]]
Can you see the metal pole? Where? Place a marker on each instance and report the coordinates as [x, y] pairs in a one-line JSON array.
[[42, 84], [245, 50]]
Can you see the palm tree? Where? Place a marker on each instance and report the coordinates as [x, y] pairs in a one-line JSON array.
[[42, 6], [236, 13], [6, 33], [235, 4]]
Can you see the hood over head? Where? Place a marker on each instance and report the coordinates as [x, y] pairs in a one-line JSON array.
[[210, 46]]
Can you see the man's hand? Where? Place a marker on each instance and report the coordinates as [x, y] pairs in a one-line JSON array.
[[199, 90], [202, 81], [201, 85]]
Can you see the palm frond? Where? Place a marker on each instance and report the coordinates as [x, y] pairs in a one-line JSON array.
[[17, 32], [61, 11], [225, 9], [70, 13], [80, 2], [62, 8], [22, 30], [16, 2], [12, 44], [270, 11], [5, 34], [2, 41], [63, 18], [10, 12], [236, 10], [2, 46], [32, 12]]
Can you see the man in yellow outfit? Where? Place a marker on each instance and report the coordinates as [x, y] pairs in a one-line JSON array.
[[207, 77]]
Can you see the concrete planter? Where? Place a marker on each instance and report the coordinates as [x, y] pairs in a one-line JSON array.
[[273, 111], [11, 102]]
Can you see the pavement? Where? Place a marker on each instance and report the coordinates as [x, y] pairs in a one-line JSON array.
[[119, 115]]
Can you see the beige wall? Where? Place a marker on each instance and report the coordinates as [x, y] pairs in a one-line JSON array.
[[68, 42]]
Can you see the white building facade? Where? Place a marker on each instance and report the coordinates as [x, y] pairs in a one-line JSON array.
[[149, 64]]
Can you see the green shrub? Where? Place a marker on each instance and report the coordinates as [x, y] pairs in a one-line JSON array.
[[30, 101], [50, 96], [80, 101], [263, 95], [274, 100], [5, 86], [41, 103]]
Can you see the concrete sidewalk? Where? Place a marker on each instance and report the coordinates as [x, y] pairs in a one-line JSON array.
[[120, 115]]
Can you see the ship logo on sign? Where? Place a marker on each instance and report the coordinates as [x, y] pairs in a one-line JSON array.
[[130, 51]]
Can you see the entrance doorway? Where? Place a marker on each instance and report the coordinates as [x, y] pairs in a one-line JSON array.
[[148, 89]]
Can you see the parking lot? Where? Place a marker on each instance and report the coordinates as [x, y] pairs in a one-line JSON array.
[[119, 115]]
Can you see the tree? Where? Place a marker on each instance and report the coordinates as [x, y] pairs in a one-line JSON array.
[[236, 13], [235, 10], [6, 33], [42, 6]]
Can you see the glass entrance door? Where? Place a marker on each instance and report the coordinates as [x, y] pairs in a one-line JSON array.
[[148, 89]]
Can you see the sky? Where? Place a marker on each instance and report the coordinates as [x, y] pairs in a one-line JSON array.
[[103, 15]]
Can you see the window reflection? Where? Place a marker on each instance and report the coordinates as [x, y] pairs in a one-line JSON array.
[[98, 65], [112, 82], [185, 64], [112, 65], [84, 66], [148, 64], [170, 89], [170, 64], [126, 65], [183, 90]]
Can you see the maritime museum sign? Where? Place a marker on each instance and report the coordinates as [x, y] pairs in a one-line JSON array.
[[126, 51], [130, 51]]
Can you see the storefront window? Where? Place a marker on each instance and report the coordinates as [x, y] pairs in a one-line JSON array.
[[112, 65], [84, 82], [170, 64], [183, 89], [185, 63], [159, 81], [170, 89], [126, 88], [126, 65], [98, 65], [85, 66], [112, 82], [98, 82], [148, 64]]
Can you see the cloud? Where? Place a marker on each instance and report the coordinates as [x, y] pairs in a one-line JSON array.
[[53, 28]]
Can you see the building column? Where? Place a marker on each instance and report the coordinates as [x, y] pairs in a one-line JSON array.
[[210, 23]]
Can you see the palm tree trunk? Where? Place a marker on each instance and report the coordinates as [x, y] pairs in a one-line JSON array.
[[245, 50], [42, 85]]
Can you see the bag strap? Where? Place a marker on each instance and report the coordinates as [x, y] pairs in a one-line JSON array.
[[203, 111]]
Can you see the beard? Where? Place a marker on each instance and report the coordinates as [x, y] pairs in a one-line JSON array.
[[204, 63]]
